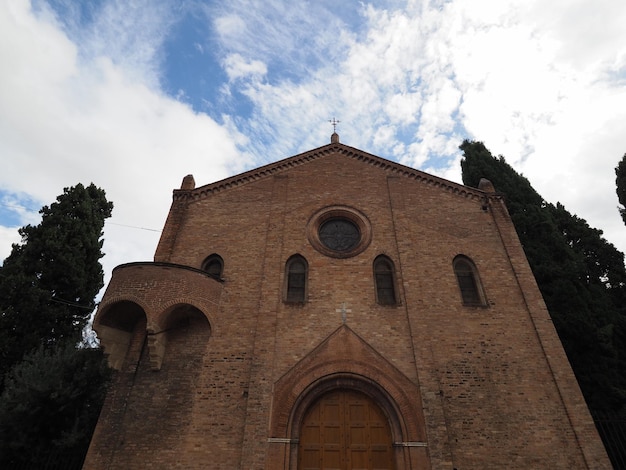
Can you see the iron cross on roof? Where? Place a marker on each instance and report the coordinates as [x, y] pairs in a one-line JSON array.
[[334, 122]]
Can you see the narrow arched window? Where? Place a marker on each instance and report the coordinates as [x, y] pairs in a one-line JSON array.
[[384, 277], [214, 266], [469, 283], [296, 279]]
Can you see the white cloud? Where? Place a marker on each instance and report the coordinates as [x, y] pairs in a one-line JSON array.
[[66, 117], [590, 35], [535, 89], [130, 34], [537, 82], [8, 236], [230, 27], [403, 108], [293, 36], [238, 67]]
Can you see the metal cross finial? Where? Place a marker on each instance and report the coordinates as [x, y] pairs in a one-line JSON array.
[[334, 122]]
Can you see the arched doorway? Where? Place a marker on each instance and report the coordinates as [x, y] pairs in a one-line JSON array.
[[345, 430]]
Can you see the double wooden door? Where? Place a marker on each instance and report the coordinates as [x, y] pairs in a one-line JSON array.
[[345, 430]]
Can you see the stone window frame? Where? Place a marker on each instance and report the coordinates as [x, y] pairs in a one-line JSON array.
[[339, 212], [389, 278], [468, 281]]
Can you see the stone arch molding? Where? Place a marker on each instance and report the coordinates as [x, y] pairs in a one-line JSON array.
[[346, 361]]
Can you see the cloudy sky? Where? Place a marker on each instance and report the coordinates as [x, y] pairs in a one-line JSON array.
[[134, 95]]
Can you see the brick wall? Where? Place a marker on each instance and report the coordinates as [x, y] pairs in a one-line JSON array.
[[464, 387]]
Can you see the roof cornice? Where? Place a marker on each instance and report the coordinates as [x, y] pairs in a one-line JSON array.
[[320, 152]]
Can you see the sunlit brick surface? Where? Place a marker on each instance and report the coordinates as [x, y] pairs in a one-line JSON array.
[[219, 374]]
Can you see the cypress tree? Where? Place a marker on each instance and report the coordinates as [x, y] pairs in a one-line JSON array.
[[51, 390], [581, 277], [49, 281]]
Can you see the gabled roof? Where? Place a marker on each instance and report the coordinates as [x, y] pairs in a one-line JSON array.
[[319, 153]]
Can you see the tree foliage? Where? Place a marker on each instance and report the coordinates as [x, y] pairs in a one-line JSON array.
[[49, 281], [581, 276], [51, 402], [620, 181], [52, 391]]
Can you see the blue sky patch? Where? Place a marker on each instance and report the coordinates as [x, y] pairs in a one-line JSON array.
[[17, 210], [191, 70]]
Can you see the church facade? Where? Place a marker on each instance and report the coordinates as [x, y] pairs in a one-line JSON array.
[[336, 310]]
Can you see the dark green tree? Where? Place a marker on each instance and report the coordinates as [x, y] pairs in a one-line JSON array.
[[620, 181], [49, 281], [50, 406], [581, 276], [51, 390]]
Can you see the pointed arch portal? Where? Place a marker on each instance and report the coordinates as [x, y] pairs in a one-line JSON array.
[[345, 430], [379, 418]]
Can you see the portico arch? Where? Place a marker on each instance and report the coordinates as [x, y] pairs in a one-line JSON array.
[[117, 323]]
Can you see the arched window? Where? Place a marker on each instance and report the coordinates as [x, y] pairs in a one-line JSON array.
[[214, 266], [469, 283], [296, 271], [384, 279]]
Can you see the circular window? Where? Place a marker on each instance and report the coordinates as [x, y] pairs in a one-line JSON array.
[[339, 231], [339, 234]]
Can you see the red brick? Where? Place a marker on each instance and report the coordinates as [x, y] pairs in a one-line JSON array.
[[216, 374]]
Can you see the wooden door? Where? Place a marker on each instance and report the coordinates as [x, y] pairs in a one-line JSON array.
[[345, 430]]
